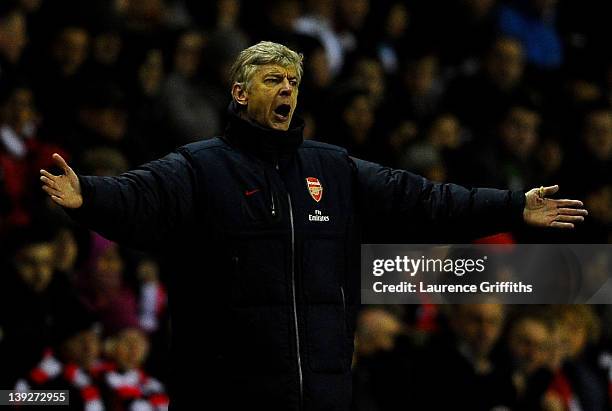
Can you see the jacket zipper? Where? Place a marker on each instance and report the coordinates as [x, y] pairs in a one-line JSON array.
[[343, 300], [273, 208], [295, 317]]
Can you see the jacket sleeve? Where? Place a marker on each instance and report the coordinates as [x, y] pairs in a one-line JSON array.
[[448, 212], [143, 208]]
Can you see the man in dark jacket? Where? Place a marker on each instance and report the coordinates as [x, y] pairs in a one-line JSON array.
[[265, 230]]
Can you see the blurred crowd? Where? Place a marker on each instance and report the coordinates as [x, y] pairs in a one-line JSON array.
[[508, 94]]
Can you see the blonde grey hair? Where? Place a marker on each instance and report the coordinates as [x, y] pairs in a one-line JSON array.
[[260, 54]]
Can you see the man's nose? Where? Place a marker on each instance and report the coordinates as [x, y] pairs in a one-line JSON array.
[[287, 88]]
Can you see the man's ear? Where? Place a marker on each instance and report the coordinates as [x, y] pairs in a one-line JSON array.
[[239, 94]]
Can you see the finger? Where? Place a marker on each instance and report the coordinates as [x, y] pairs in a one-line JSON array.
[[48, 174], [48, 182], [570, 218], [58, 200], [568, 203], [550, 190], [558, 224], [61, 163], [51, 191], [573, 211]]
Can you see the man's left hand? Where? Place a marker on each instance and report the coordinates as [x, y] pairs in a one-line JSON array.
[[547, 212]]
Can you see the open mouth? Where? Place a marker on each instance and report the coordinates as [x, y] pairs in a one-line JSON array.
[[282, 111]]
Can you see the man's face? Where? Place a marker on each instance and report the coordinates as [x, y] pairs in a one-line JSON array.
[[82, 349], [271, 96], [479, 326], [13, 36], [505, 63], [519, 131], [35, 264], [530, 345]]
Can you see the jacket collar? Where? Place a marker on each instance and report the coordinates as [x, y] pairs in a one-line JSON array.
[[261, 141]]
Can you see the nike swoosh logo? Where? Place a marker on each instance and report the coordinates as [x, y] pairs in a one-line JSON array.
[[251, 192]]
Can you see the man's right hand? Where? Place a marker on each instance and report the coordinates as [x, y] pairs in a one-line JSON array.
[[64, 189]]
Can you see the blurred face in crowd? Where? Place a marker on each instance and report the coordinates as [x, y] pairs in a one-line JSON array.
[[151, 72], [19, 112], [479, 326], [598, 134], [13, 36], [369, 74], [505, 63], [530, 344], [576, 332], [397, 20], [359, 117], [284, 14], [71, 48], [82, 349], [480, 8], [270, 96], [188, 53], [35, 264], [143, 11], [109, 268], [130, 349], [519, 131], [376, 331], [421, 74], [354, 12], [108, 122], [317, 66], [106, 48], [445, 132]]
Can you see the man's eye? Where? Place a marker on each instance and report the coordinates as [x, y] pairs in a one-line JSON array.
[[293, 83]]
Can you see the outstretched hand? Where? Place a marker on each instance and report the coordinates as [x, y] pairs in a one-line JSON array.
[[547, 212], [64, 189]]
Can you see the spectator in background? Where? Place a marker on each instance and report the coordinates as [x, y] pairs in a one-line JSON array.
[[533, 22], [280, 19], [13, 37], [66, 252], [529, 345], [575, 383], [221, 49], [106, 47], [128, 385], [438, 156], [457, 369], [58, 87], [103, 289], [101, 119], [481, 98], [594, 155], [380, 361], [350, 21], [73, 363], [354, 123], [190, 114], [510, 158], [34, 297], [103, 161], [21, 153], [395, 21], [462, 34], [318, 22]]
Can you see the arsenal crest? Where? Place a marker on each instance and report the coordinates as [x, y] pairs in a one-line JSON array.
[[315, 188]]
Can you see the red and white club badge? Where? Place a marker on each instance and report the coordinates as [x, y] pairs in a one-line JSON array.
[[315, 188]]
